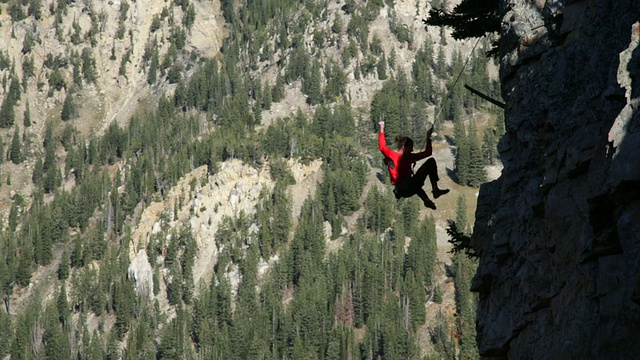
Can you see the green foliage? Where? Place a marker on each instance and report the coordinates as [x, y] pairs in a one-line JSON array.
[[178, 37], [400, 30], [64, 266], [28, 70], [441, 337], [35, 9], [469, 162], [392, 104], [379, 210], [358, 28], [174, 74], [5, 60], [156, 23], [461, 214], [470, 18], [6, 329], [124, 304], [362, 299], [381, 68], [56, 81], [7, 115], [122, 29], [152, 73], [25, 323], [422, 72], [466, 303], [336, 82], [15, 153], [88, 66], [312, 83], [189, 17], [69, 108], [460, 241], [337, 25], [16, 11], [76, 35], [298, 64], [27, 43], [123, 63], [376, 46]]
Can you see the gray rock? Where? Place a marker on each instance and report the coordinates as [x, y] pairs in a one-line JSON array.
[[141, 271], [558, 232]]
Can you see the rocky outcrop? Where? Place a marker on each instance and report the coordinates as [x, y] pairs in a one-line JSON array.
[[141, 272], [559, 231], [200, 201]]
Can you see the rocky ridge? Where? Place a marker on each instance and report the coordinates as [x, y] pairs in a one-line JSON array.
[[558, 232], [201, 201]]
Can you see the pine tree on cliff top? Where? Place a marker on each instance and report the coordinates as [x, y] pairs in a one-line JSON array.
[[469, 19]]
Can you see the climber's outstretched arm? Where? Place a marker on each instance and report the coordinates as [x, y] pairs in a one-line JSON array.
[[382, 142]]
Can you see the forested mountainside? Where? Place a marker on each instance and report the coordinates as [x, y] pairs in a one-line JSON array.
[[200, 179]]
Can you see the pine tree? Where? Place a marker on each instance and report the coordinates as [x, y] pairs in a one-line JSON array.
[[37, 171], [268, 97], [382, 68], [337, 25], [52, 178], [466, 304], [20, 348], [1, 150], [35, 9], [489, 146], [69, 110], [463, 161], [113, 348], [469, 19], [27, 116], [461, 214], [63, 268], [7, 115], [62, 305], [88, 66], [278, 89], [76, 255], [477, 172], [94, 347], [312, 83], [189, 17], [441, 64], [25, 262], [6, 329], [15, 154], [14, 88], [336, 82], [152, 74]]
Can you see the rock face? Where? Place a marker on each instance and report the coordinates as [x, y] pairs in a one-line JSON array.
[[559, 231], [200, 202], [141, 271]]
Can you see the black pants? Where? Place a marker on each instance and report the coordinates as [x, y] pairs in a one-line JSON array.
[[413, 185]]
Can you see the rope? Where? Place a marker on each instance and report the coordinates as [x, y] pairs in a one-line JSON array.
[[444, 102]]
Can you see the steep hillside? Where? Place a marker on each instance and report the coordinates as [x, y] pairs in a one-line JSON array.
[[195, 175], [96, 53], [558, 231]]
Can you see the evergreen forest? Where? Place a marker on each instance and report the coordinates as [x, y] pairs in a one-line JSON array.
[[353, 275]]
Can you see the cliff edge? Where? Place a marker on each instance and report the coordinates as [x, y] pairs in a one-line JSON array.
[[559, 231]]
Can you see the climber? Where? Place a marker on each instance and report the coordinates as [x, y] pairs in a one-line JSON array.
[[400, 165]]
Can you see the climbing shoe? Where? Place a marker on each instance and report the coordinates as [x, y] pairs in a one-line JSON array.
[[429, 204], [439, 192]]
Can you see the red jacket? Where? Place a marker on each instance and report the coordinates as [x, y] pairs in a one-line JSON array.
[[400, 164]]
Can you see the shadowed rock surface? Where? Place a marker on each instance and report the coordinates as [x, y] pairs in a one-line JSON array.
[[559, 231]]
